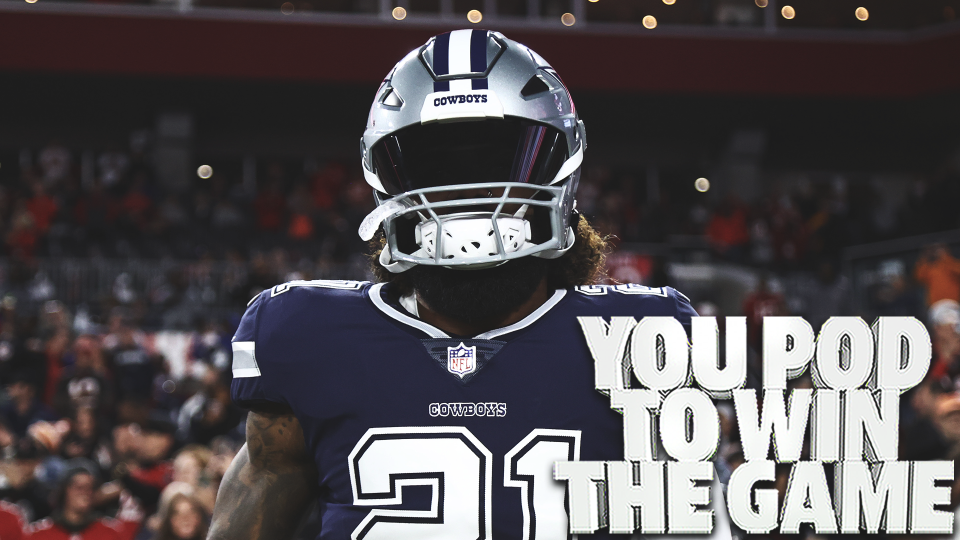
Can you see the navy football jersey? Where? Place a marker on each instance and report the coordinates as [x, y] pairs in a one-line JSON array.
[[417, 434]]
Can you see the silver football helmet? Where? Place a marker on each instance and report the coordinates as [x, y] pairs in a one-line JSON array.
[[473, 147]]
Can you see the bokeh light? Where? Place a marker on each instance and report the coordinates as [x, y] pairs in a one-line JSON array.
[[204, 171], [650, 22], [474, 16], [399, 13]]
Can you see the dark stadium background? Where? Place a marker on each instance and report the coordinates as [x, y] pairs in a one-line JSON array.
[[830, 145]]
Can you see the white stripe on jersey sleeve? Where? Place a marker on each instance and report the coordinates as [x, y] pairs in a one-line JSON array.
[[245, 360]]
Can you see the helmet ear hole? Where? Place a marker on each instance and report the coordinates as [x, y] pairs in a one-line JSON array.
[[540, 230], [392, 98], [407, 235], [534, 86]]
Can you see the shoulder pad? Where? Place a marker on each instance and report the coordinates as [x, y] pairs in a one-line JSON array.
[[341, 284], [626, 288]]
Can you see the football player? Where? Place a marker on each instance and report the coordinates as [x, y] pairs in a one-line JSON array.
[[434, 403]]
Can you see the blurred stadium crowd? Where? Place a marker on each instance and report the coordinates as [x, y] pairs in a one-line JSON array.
[[115, 416]]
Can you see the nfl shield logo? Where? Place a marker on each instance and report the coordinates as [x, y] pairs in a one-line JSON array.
[[461, 360]]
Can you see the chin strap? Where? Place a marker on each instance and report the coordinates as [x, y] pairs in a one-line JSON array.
[[396, 267]]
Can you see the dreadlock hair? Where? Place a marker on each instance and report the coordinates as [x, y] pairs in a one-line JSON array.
[[583, 264]]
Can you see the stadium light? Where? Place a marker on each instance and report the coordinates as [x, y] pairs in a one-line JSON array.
[[788, 12], [399, 13], [862, 13], [701, 184], [650, 22], [474, 16], [568, 19], [204, 171]]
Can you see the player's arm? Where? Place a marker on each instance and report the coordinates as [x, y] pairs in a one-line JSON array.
[[269, 485]]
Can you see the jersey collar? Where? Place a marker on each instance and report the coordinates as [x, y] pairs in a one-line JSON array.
[[434, 332]]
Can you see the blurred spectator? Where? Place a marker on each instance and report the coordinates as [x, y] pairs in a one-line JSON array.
[[327, 184], [112, 164], [55, 162], [84, 384], [96, 212], [727, 230], [84, 439], [136, 206], [182, 518], [24, 407], [893, 297], [144, 467], [23, 236], [939, 272], [948, 422], [920, 437], [270, 207], [75, 517], [133, 365], [825, 296], [42, 208], [301, 214], [945, 320], [209, 413]]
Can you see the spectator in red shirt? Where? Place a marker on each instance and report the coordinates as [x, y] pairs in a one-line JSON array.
[[301, 214], [42, 207], [270, 207], [136, 206], [11, 521], [939, 272], [96, 212], [22, 238], [74, 517], [327, 185], [727, 230]]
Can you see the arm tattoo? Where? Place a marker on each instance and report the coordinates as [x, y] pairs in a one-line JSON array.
[[269, 485]]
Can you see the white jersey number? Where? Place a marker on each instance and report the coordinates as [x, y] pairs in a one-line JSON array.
[[457, 468]]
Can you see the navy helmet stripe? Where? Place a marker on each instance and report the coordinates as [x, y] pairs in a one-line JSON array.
[[478, 51], [441, 54], [441, 61], [479, 84]]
